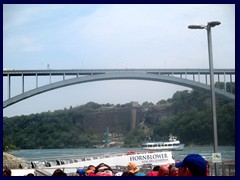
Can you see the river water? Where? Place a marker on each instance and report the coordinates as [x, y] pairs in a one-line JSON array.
[[227, 152]]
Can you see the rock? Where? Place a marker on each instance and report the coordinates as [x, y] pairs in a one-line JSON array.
[[13, 162]]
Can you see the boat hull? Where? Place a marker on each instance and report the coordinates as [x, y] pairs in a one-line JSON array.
[[169, 148], [153, 158]]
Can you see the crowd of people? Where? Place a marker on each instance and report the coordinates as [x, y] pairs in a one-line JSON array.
[[192, 165]]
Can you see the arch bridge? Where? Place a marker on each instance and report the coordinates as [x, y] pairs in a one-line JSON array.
[[192, 78]]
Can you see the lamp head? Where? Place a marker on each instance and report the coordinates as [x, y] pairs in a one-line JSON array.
[[214, 23], [196, 26]]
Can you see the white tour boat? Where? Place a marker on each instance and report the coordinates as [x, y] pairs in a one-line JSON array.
[[116, 161], [173, 145]]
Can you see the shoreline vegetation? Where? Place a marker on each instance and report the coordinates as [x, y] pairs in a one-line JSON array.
[[10, 148]]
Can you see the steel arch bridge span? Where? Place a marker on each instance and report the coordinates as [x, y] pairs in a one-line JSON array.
[[117, 76]]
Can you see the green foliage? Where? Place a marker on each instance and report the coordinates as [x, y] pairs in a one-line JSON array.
[[230, 87], [192, 122], [187, 115], [134, 138], [58, 129]]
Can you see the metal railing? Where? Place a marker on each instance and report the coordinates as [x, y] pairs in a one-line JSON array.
[[226, 168]]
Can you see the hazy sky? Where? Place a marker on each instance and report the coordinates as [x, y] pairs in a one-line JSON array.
[[82, 36]]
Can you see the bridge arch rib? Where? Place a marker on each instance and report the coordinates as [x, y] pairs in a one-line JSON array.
[[115, 76]]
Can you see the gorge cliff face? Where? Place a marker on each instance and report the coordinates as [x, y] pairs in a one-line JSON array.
[[120, 120]]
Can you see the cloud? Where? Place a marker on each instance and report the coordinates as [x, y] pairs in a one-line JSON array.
[[119, 34], [22, 44], [17, 15]]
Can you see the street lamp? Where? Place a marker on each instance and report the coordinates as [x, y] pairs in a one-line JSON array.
[[208, 28]]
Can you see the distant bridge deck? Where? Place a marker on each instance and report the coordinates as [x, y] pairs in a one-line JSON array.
[[59, 72], [192, 78]]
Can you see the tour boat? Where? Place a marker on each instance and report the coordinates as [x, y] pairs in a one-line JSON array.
[[172, 145], [113, 160]]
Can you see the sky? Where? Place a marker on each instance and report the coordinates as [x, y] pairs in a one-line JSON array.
[[110, 36]]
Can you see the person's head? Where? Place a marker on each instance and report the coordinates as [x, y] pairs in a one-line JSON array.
[[174, 171], [132, 168], [59, 172], [195, 163], [156, 168], [164, 170], [7, 172], [184, 171], [30, 174], [80, 172], [90, 170], [103, 170], [91, 167]]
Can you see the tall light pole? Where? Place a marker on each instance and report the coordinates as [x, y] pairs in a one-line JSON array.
[[214, 116]]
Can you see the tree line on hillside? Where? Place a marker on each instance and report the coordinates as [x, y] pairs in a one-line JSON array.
[[191, 121], [189, 118]]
